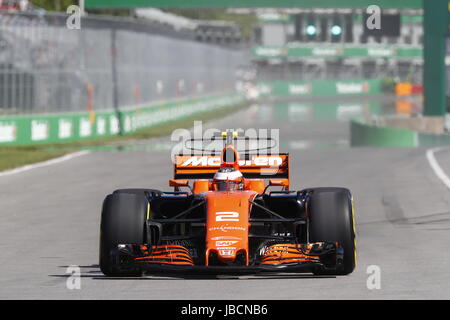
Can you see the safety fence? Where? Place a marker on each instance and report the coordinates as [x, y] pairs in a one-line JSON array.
[[66, 127], [110, 63], [320, 88]]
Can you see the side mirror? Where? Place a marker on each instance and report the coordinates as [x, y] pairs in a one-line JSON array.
[[179, 183], [279, 183]]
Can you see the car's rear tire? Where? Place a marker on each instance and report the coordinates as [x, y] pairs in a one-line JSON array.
[[123, 221], [331, 218]]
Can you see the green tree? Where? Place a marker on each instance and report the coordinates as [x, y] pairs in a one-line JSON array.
[[247, 22], [53, 5], [61, 5]]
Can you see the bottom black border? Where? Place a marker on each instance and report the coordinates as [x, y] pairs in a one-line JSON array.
[[243, 309]]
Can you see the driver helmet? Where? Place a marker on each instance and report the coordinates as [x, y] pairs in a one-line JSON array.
[[228, 179]]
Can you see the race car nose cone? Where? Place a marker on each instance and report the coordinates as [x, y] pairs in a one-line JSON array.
[[218, 258], [227, 225], [223, 255]]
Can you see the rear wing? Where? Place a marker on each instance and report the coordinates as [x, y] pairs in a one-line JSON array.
[[273, 166]]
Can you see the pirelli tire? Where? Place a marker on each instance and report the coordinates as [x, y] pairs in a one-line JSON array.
[[331, 218], [123, 221]]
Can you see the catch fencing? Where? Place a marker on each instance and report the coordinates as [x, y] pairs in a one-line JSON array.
[[109, 64]]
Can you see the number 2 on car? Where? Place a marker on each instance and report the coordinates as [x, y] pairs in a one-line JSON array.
[[227, 216]]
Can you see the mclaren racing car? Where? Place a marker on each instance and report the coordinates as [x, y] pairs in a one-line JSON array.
[[229, 212]]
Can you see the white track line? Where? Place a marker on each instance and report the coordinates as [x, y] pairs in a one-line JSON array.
[[436, 167], [44, 163]]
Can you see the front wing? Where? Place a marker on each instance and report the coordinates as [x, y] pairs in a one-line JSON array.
[[296, 258]]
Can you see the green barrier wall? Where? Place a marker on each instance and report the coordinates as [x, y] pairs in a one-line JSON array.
[[320, 88], [370, 135], [334, 51], [40, 129], [433, 140], [354, 4]]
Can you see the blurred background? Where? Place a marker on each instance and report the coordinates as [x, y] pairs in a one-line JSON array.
[[46, 67], [125, 57]]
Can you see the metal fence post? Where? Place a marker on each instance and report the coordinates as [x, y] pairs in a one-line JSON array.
[[114, 78]]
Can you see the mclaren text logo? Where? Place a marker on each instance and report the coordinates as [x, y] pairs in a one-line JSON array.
[[226, 228], [215, 161]]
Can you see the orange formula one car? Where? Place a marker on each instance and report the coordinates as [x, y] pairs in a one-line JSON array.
[[227, 220]]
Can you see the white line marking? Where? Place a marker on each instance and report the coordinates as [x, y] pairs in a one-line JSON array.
[[436, 167], [44, 163]]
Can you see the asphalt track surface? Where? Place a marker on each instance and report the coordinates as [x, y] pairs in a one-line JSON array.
[[50, 218]]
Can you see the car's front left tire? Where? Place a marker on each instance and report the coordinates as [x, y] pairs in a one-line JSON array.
[[123, 222], [331, 219]]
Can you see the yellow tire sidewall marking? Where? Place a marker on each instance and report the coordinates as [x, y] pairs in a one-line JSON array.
[[354, 231]]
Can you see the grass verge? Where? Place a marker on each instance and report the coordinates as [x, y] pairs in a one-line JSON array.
[[13, 157]]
